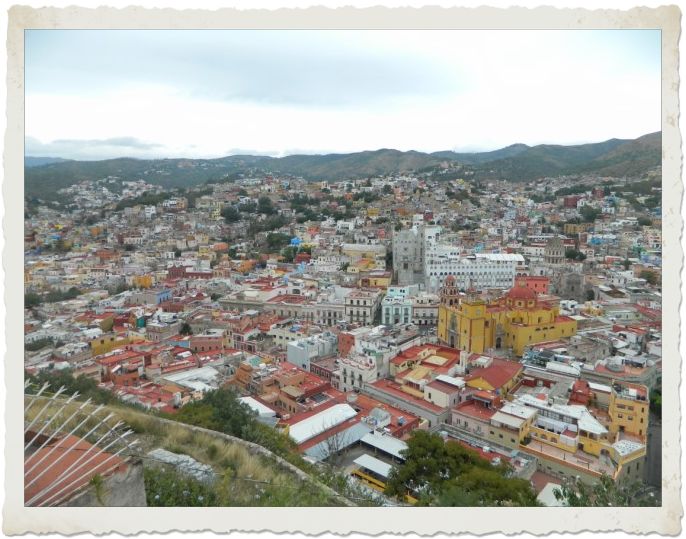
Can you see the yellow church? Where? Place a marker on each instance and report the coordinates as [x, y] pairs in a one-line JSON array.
[[513, 321]]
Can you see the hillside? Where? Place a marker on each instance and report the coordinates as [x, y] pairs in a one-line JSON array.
[[483, 157], [613, 157], [247, 474], [517, 162], [40, 161]]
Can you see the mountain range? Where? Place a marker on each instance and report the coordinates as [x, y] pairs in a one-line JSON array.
[[43, 176]]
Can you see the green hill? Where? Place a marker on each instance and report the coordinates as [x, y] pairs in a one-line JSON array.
[[517, 162], [613, 157]]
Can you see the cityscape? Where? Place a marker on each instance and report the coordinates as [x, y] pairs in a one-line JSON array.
[[420, 326]]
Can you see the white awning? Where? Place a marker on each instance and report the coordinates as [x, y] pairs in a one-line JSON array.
[[507, 420], [374, 465], [256, 405], [321, 422], [387, 444]]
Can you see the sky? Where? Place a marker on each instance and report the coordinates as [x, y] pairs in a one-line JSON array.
[[97, 94]]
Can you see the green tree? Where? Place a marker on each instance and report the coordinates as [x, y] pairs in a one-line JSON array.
[[231, 214], [37, 345], [264, 205], [186, 329], [31, 299], [649, 276], [387, 189], [574, 254], [645, 221], [446, 473], [589, 214], [289, 253], [656, 402], [277, 240], [62, 247], [590, 295], [606, 493], [85, 386], [218, 410]]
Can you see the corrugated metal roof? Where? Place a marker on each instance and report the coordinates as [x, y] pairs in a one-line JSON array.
[[385, 443], [256, 405], [312, 426], [346, 438], [373, 464]]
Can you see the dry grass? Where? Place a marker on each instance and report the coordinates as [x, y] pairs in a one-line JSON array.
[[245, 478]]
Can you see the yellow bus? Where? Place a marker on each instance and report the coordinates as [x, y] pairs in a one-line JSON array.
[[374, 473]]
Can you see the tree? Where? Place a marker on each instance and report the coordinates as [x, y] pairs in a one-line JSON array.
[[31, 299], [289, 253], [590, 295], [649, 276], [231, 214], [335, 444], [218, 410], [277, 240], [186, 329], [656, 402], [62, 246], [574, 254], [606, 493], [645, 221], [589, 214], [387, 189], [264, 205], [446, 473], [626, 263]]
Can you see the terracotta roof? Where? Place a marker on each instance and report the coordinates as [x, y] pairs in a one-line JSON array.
[[68, 450], [498, 373], [521, 292]]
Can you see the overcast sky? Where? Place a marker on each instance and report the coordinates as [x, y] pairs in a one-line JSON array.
[[95, 94]]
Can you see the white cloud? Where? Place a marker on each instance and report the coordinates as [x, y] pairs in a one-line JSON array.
[[494, 89]]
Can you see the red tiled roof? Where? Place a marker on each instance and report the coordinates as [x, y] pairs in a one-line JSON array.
[[442, 386], [119, 358], [499, 373], [472, 409], [68, 450]]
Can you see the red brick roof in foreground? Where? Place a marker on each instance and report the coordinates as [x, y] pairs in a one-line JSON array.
[[499, 373], [67, 451]]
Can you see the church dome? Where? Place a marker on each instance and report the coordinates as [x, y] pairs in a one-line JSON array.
[[521, 293]]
